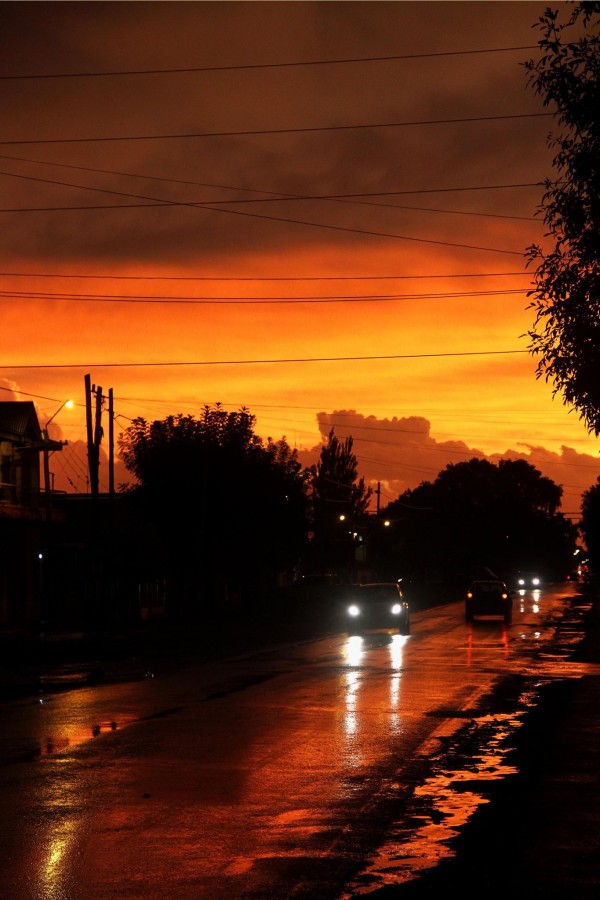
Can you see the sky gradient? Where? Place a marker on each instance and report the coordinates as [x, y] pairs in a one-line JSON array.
[[318, 211]]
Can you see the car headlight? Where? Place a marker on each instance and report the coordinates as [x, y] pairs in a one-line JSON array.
[[397, 609], [536, 581], [353, 610], [521, 581]]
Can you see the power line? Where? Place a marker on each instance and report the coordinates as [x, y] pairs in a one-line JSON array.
[[454, 212], [244, 362], [227, 278], [370, 233], [251, 301], [280, 219], [272, 131], [247, 66], [275, 194], [354, 197], [209, 203], [353, 428]]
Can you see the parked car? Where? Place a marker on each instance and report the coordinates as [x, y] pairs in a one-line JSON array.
[[526, 581], [490, 597], [376, 606]]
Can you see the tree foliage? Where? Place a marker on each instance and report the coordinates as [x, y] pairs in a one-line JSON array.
[[590, 523], [336, 488], [230, 507], [566, 330], [335, 491], [475, 513]]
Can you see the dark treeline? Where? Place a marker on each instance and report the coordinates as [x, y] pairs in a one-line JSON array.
[[221, 521]]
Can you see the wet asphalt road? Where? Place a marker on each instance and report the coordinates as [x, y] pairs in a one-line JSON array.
[[493, 851]]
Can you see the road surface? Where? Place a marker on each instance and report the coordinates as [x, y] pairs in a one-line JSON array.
[[323, 768]]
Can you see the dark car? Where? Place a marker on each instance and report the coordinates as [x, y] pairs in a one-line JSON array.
[[375, 607], [490, 597]]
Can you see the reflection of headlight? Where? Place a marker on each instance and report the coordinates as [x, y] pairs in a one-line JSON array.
[[353, 610], [396, 609]]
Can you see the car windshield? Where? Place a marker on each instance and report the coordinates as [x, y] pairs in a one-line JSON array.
[[374, 592]]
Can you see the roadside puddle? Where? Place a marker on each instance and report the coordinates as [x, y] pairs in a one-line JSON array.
[[443, 804]]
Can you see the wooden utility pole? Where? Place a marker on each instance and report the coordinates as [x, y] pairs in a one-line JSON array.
[[90, 431], [94, 433], [111, 445], [98, 431]]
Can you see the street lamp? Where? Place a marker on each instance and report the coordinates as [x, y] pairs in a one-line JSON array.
[[69, 405]]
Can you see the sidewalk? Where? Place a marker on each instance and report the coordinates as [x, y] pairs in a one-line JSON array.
[[31, 663], [559, 829], [539, 837]]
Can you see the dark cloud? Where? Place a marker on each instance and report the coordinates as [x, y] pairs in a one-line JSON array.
[[401, 453], [51, 342], [102, 37]]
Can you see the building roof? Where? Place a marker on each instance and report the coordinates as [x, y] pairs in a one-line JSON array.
[[19, 421]]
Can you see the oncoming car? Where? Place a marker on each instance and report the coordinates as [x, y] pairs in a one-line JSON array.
[[528, 581], [375, 607], [488, 598]]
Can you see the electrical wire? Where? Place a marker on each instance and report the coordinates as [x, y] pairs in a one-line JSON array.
[[279, 219], [258, 132], [228, 278], [251, 301], [280, 65], [275, 194], [241, 362]]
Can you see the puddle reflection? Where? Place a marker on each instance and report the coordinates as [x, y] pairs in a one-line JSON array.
[[51, 874], [442, 810], [474, 644], [72, 723], [355, 651]]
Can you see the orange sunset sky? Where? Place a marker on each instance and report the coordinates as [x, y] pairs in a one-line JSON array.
[[316, 210]]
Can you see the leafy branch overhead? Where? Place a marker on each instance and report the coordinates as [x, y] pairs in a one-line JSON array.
[[566, 295]]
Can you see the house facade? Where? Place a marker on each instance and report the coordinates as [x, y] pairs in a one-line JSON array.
[[24, 513]]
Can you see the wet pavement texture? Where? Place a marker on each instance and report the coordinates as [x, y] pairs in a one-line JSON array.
[[537, 834]]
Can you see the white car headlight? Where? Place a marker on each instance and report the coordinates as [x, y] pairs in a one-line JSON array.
[[397, 609], [353, 610]]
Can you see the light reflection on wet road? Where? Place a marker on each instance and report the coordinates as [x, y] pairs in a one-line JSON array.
[[288, 773]]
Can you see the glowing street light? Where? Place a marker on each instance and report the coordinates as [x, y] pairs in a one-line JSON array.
[[69, 405]]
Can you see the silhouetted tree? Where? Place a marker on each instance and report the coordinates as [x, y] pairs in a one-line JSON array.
[[590, 524], [566, 331], [478, 514], [230, 507], [336, 491]]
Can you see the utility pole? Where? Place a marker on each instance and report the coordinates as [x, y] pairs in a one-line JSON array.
[[94, 433], [98, 432], [111, 445], [378, 492]]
